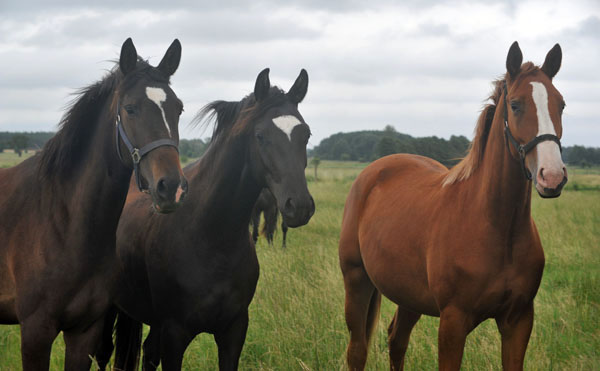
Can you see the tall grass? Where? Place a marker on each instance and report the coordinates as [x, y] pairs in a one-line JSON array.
[[297, 316]]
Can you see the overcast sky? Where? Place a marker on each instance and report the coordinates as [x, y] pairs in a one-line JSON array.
[[424, 67]]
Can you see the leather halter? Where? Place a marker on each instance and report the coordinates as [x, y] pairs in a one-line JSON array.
[[523, 149], [138, 153]]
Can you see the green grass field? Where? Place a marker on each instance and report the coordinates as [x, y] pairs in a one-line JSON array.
[[297, 319], [8, 159]]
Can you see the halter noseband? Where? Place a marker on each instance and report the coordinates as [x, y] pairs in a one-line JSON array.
[[523, 149], [138, 153]]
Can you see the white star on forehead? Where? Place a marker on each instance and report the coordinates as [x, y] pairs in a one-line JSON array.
[[158, 96], [286, 123]]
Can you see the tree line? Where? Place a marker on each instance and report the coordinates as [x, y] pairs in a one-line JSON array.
[[364, 146], [20, 141], [369, 145]]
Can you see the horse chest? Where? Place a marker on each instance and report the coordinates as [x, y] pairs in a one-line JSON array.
[[221, 286]]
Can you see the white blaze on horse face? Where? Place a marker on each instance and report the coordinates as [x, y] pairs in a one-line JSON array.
[[286, 123], [548, 152], [158, 96]]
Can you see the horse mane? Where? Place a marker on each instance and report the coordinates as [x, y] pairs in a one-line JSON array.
[[234, 118], [467, 166], [63, 152]]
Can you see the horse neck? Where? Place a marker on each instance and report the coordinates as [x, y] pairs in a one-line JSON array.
[[501, 186], [100, 183], [225, 185]]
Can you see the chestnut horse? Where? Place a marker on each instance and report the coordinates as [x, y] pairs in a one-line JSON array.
[[59, 209], [459, 244], [196, 270], [267, 205]]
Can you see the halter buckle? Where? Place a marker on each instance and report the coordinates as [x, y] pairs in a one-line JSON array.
[[135, 156]]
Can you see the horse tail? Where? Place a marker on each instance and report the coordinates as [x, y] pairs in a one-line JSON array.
[[373, 314], [270, 225], [128, 341]]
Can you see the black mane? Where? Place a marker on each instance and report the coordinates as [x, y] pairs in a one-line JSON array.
[[63, 152], [235, 117]]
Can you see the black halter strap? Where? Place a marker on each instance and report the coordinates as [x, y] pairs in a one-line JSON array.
[[138, 153], [523, 149]]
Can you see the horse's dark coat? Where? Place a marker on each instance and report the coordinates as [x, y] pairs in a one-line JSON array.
[[196, 270], [59, 212]]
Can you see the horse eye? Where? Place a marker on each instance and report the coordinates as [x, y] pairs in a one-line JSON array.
[[515, 106], [260, 138], [130, 109]]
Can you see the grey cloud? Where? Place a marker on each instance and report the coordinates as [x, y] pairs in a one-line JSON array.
[[427, 79]]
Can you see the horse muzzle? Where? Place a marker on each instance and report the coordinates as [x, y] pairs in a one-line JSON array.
[[297, 211], [168, 194]]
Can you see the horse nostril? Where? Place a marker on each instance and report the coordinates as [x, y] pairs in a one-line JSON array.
[[289, 208], [166, 188], [542, 173], [161, 188]]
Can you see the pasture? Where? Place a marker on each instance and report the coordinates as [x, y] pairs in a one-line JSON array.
[[297, 318]]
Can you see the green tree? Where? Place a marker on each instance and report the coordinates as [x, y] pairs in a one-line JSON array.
[[340, 147], [315, 161], [19, 142], [386, 146]]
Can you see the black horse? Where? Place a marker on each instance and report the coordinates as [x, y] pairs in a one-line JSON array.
[[59, 210], [267, 205], [196, 270]]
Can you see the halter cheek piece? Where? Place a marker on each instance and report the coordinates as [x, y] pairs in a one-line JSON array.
[[523, 149], [138, 153]]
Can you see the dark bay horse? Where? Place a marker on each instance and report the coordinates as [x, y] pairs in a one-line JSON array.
[[267, 205], [59, 209], [458, 244], [196, 270]]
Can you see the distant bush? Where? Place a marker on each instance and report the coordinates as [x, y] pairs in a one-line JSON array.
[[370, 145]]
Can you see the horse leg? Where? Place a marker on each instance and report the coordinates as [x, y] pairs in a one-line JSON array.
[[37, 336], [255, 223], [455, 325], [270, 223], [231, 341], [151, 357], [284, 229], [362, 309], [105, 348], [399, 334], [174, 340], [515, 330], [81, 343]]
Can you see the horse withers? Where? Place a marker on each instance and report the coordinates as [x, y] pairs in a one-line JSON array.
[[196, 270], [59, 209], [459, 244]]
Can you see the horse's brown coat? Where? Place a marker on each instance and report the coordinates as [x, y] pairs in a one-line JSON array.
[[459, 244]]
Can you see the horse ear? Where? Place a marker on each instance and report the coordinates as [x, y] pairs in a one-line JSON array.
[[514, 60], [168, 65], [552, 63], [298, 90], [128, 57], [262, 85]]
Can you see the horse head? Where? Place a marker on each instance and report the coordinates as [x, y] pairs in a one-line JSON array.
[[278, 147], [147, 126], [533, 119]]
